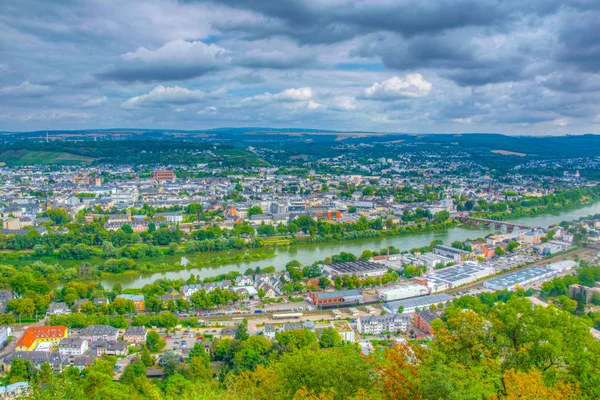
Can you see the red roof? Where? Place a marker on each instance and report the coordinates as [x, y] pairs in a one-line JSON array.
[[37, 332]]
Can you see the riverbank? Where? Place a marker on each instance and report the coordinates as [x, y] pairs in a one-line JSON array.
[[537, 210], [204, 265], [172, 261]]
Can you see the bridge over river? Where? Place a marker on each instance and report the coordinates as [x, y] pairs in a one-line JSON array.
[[494, 224]]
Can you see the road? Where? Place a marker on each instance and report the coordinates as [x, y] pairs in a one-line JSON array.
[[17, 333]]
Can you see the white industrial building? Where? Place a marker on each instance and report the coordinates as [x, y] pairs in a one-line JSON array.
[[457, 275], [421, 303], [520, 278], [402, 292], [561, 266]]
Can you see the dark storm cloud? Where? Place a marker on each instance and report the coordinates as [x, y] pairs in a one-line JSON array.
[[580, 41], [406, 17], [249, 78]]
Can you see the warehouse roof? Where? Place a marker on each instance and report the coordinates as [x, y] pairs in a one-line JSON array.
[[519, 277], [423, 301]]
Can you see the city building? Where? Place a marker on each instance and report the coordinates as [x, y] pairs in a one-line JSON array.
[[376, 324], [111, 348], [402, 292], [173, 217], [94, 333], [35, 335], [73, 346], [269, 331], [344, 329], [37, 358], [587, 292], [138, 300], [519, 278], [336, 298], [59, 308], [361, 269], [454, 276], [411, 305], [135, 334], [164, 175], [423, 320], [5, 332], [456, 254], [15, 390]]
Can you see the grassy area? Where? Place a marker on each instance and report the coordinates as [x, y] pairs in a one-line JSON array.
[[276, 241], [24, 157]]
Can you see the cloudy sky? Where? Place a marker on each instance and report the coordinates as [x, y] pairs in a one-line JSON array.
[[508, 66]]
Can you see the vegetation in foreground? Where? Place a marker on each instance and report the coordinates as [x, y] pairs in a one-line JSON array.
[[491, 347]]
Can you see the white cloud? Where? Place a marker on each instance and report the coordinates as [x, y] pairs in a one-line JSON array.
[[560, 122], [411, 85], [95, 102], [288, 95], [176, 95], [175, 60], [25, 89], [463, 120], [343, 103], [211, 110]]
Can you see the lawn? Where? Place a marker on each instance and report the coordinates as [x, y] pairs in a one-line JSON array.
[[43, 157]]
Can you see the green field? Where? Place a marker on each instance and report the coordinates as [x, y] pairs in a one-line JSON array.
[[25, 157]]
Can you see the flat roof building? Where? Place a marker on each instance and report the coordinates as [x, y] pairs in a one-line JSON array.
[[402, 292], [457, 275], [519, 278], [423, 302], [338, 297], [362, 269]]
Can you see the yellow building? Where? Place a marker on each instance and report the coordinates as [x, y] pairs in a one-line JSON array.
[[35, 335]]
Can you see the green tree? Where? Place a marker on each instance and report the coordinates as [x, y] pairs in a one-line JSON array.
[[296, 338], [241, 332], [254, 210], [329, 338], [154, 342]]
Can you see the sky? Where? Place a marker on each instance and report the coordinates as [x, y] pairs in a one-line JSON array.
[[439, 66]]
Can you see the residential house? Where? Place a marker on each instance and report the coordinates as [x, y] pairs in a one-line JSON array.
[[73, 346], [110, 347], [488, 250], [37, 358], [59, 308], [376, 324], [15, 390], [423, 320], [83, 362], [95, 333], [189, 290], [246, 280], [172, 217], [5, 332], [344, 329], [269, 331], [5, 297], [138, 300], [135, 334], [290, 326]]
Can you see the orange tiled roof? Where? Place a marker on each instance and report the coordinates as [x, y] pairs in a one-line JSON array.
[[37, 332]]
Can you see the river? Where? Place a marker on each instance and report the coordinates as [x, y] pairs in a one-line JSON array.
[[309, 253]]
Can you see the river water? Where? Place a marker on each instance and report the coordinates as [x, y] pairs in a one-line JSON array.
[[309, 253]]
